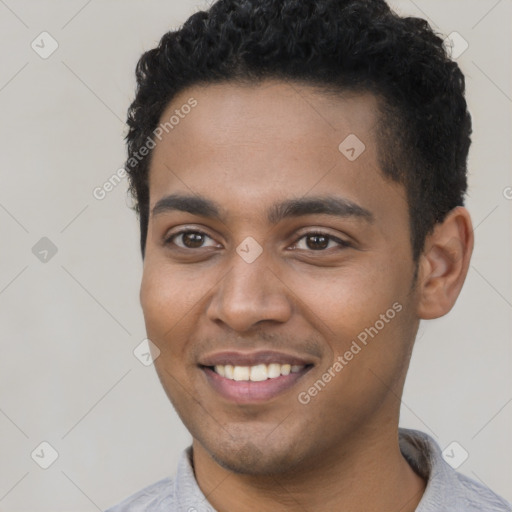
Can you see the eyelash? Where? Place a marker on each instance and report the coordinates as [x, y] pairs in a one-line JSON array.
[[341, 243]]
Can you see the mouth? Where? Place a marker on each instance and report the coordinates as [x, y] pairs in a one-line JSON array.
[[258, 377], [256, 373]]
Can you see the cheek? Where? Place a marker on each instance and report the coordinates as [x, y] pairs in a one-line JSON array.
[[168, 315], [167, 301], [365, 320], [350, 299]]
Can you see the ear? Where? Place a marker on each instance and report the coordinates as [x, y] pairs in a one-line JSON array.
[[444, 263]]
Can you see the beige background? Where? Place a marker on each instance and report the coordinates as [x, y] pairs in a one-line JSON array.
[[69, 326]]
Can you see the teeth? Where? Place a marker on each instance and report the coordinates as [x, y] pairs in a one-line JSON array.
[[259, 372], [241, 373], [228, 372], [256, 373], [274, 370]]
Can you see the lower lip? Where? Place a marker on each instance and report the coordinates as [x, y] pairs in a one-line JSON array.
[[250, 392]]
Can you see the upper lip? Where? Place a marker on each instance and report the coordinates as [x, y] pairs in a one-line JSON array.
[[237, 358]]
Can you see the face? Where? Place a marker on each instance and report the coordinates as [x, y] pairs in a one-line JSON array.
[[277, 275]]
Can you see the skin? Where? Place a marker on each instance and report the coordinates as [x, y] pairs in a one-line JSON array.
[[247, 147]]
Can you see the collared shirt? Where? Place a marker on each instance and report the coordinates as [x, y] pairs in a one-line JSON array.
[[446, 490]]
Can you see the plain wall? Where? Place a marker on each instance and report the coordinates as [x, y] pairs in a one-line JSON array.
[[69, 325]]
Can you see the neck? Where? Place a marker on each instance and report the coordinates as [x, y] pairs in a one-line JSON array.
[[368, 473]]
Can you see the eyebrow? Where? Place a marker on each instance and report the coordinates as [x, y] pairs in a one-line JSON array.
[[327, 205]]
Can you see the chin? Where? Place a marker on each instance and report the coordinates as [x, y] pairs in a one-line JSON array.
[[247, 458]]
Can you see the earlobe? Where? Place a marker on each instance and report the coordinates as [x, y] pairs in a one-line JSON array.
[[444, 264]]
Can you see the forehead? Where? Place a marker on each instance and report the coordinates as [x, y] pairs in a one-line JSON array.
[[247, 146], [228, 113], [282, 118]]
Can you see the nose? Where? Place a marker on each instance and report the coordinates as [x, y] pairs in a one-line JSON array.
[[250, 294]]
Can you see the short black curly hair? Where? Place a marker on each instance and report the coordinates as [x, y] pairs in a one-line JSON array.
[[337, 45]]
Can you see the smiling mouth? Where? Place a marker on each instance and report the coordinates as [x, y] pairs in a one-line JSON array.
[[256, 373], [254, 384]]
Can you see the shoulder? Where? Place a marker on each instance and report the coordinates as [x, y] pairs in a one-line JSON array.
[[155, 498], [475, 497], [447, 490], [180, 493]]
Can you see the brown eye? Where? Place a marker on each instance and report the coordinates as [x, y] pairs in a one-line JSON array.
[[319, 242], [192, 240], [188, 239]]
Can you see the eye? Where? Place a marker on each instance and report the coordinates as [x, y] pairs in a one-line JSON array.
[[312, 241], [317, 241], [189, 239]]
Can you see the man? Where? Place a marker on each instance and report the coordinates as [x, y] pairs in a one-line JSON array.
[[299, 170]]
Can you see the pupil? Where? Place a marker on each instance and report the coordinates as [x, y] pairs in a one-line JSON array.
[[193, 239], [320, 242]]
